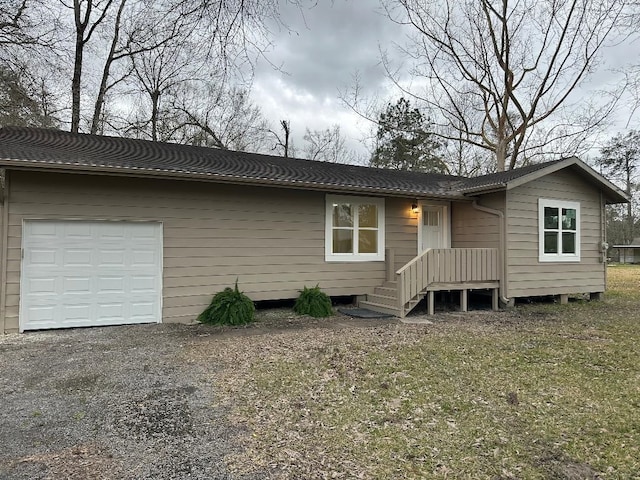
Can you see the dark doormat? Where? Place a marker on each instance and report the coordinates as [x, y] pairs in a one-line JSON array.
[[363, 313]]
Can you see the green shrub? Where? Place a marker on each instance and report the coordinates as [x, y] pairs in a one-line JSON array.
[[229, 307], [314, 302]]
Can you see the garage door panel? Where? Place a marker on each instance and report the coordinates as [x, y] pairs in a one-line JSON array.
[[76, 257], [90, 273], [75, 231], [76, 312], [111, 312], [143, 258], [42, 286], [142, 310], [75, 285], [142, 284], [42, 230], [111, 257], [112, 236], [43, 314], [43, 257], [110, 285]]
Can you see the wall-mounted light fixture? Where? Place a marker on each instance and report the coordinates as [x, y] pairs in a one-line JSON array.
[[414, 207]]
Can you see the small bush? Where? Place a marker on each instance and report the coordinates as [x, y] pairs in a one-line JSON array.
[[229, 307], [314, 302]]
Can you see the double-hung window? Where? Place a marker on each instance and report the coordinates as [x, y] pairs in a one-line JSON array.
[[354, 229], [559, 230]]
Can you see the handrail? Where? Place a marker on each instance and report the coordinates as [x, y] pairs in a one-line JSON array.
[[445, 265], [412, 261]]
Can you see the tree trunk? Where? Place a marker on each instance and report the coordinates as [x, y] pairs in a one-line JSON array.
[[155, 100], [75, 82], [102, 91], [629, 205], [287, 131], [501, 155]]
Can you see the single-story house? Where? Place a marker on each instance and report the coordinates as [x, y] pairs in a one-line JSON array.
[[100, 230], [628, 253]]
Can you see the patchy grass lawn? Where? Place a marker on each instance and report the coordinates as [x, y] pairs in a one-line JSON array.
[[544, 391]]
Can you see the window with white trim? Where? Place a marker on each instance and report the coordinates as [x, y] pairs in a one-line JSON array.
[[354, 229], [559, 229]]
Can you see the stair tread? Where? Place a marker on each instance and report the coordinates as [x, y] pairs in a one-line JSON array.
[[390, 297], [381, 305], [391, 291]]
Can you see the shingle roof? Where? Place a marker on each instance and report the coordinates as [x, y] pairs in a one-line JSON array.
[[43, 148], [635, 243], [34, 148], [500, 179], [518, 176]]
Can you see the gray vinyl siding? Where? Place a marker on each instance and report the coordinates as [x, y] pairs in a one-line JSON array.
[[3, 235], [401, 230], [270, 239], [472, 228], [527, 276]]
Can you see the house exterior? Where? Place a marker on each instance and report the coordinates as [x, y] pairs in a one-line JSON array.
[[628, 253], [101, 230]]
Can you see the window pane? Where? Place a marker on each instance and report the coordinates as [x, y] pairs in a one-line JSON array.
[[550, 242], [367, 241], [568, 242], [368, 216], [550, 217], [342, 215], [568, 219], [431, 218], [342, 241]]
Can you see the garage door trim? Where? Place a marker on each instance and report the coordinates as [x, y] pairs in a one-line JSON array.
[[123, 289]]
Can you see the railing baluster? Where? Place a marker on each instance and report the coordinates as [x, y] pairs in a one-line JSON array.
[[444, 265]]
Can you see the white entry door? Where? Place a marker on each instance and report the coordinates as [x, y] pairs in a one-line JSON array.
[[86, 273], [434, 228]]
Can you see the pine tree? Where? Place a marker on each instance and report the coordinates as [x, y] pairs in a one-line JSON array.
[[403, 141]]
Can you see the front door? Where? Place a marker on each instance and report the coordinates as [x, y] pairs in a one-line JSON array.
[[434, 227]]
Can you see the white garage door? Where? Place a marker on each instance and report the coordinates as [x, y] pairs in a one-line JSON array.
[[81, 273]]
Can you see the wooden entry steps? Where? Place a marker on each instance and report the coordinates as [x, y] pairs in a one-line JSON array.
[[384, 299], [435, 270]]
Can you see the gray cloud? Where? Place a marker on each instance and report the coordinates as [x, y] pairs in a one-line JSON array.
[[328, 43], [324, 47]]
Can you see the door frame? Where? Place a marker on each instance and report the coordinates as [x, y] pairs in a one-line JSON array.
[[446, 221]]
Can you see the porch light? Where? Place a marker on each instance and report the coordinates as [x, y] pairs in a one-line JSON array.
[[414, 207]]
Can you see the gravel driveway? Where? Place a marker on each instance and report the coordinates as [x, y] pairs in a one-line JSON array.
[[111, 402]]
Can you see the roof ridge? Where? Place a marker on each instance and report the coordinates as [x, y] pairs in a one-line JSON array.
[[37, 147]]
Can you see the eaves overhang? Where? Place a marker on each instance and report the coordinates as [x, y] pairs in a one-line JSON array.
[[178, 174], [612, 193]]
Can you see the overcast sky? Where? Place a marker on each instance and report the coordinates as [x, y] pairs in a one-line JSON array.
[[325, 47]]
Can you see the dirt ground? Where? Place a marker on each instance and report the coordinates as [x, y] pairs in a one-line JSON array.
[[122, 402]]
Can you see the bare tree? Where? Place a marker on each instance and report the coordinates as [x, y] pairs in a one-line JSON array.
[[215, 116], [620, 159], [326, 145], [27, 49], [131, 32], [158, 72], [88, 15], [23, 102], [519, 63], [208, 48], [22, 25], [283, 139], [130, 45]]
